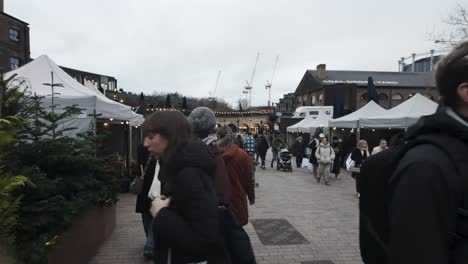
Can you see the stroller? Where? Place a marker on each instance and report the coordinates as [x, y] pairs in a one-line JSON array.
[[284, 161]]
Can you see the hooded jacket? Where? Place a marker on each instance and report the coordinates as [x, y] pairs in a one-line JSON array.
[[221, 181], [239, 168], [325, 154], [189, 226], [424, 204]]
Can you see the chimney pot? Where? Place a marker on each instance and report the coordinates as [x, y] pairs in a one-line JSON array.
[[322, 71]]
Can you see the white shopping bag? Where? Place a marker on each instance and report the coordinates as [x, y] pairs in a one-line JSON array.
[[350, 163]]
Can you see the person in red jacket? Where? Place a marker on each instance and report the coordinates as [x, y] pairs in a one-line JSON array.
[[239, 169]]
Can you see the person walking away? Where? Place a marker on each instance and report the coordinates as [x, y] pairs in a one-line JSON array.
[[336, 167], [298, 151], [257, 154], [147, 165], [239, 169], [428, 210], [276, 146], [263, 148], [325, 157], [381, 147], [185, 217], [240, 141], [250, 146], [359, 155], [203, 123]]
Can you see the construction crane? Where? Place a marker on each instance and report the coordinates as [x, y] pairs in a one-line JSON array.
[[213, 94], [249, 87], [269, 83]]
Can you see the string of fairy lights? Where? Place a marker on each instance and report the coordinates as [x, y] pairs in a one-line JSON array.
[[188, 111]]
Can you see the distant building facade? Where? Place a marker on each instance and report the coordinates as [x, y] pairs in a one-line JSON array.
[[101, 82], [347, 90], [286, 104], [14, 42], [423, 62]]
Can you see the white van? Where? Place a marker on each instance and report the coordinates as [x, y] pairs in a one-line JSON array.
[[313, 111]]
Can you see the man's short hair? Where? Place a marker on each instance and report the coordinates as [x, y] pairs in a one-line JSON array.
[[451, 71]]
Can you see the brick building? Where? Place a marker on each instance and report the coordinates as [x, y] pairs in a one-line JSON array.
[[14, 42], [347, 90]]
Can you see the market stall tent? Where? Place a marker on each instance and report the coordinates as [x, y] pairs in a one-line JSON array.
[[403, 115], [36, 73], [371, 109], [309, 124]]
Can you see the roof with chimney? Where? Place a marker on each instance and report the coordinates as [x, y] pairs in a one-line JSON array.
[[311, 80]]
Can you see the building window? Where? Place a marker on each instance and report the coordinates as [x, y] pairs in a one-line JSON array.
[[314, 100], [364, 97], [397, 97], [321, 97], [14, 35], [14, 63], [383, 97]]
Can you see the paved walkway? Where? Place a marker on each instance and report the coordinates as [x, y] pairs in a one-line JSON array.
[[327, 216]]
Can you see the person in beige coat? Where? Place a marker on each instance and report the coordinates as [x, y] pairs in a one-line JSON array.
[[325, 156]]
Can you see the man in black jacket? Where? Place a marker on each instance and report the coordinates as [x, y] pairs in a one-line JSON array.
[[425, 203]]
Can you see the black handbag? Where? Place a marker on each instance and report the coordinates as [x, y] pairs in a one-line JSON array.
[[136, 187], [237, 242]]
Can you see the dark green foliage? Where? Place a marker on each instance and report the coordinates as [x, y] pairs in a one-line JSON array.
[[184, 102], [67, 176], [168, 101]]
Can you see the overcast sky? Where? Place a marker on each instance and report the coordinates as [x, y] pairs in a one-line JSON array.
[[174, 45]]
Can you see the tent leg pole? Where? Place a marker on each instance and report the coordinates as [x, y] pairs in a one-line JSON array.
[[130, 150], [358, 135]]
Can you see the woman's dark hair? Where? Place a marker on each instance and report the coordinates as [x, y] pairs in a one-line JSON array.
[[172, 125], [452, 71]]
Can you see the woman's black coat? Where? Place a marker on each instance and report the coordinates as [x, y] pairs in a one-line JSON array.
[[189, 226]]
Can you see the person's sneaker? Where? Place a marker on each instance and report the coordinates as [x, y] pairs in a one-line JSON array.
[[326, 183], [318, 179], [337, 177]]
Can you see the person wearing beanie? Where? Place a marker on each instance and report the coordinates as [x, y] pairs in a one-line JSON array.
[[203, 123], [239, 168]]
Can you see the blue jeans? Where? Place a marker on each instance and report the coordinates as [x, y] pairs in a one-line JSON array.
[[148, 250], [275, 158]]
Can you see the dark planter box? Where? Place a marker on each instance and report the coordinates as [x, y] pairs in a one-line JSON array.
[[81, 242]]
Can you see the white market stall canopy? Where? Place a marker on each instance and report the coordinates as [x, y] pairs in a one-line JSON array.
[[402, 115], [371, 109], [38, 72], [308, 124]]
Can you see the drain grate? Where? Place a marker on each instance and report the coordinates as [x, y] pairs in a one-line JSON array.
[[317, 262], [277, 232]]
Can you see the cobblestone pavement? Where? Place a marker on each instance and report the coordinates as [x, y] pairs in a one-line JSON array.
[[326, 216]]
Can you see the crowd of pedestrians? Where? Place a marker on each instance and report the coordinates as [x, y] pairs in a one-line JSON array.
[[198, 182]]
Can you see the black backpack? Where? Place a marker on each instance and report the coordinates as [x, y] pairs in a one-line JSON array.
[[378, 180]]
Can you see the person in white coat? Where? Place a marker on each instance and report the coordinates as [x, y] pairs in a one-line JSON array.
[[325, 156]]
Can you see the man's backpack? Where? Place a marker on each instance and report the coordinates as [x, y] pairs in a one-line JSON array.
[[378, 180]]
